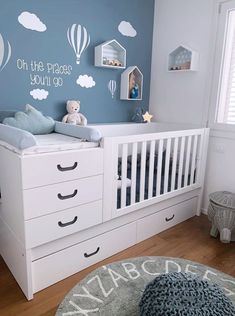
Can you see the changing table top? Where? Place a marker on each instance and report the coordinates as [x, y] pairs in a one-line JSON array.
[[51, 143]]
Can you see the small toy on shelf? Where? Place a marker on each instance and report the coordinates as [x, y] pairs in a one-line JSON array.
[[138, 115], [147, 117], [113, 62], [105, 61], [133, 87], [73, 117], [134, 92], [183, 66]]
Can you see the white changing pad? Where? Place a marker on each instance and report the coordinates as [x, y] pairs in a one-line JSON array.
[[53, 142]]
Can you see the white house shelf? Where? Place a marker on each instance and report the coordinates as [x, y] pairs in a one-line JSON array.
[[110, 54], [182, 59], [132, 84]]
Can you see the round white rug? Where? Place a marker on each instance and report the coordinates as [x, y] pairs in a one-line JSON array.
[[116, 289]]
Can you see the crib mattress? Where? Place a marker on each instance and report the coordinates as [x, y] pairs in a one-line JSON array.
[[51, 143]]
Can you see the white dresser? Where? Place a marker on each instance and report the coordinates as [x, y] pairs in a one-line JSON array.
[[46, 197], [51, 217]]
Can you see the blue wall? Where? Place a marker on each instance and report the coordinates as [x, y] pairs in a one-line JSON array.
[[101, 19]]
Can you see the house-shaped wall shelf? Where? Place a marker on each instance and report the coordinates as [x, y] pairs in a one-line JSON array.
[[132, 84], [110, 54], [183, 58]]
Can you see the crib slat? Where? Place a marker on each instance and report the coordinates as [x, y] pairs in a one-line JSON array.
[[175, 156], [181, 162], [193, 159], [199, 158], [133, 172], [159, 167], [143, 170], [187, 161], [124, 175], [167, 164], [151, 169]]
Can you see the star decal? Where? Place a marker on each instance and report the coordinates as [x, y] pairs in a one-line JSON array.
[[147, 117]]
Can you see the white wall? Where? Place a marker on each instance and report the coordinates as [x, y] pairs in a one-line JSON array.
[[180, 97], [184, 97], [220, 174]]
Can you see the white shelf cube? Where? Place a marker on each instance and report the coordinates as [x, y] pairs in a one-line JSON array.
[[132, 84], [110, 54], [183, 59]]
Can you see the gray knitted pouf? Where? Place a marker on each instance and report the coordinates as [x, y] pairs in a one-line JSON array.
[[181, 294]]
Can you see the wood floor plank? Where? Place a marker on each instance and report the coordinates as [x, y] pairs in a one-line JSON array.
[[189, 240]]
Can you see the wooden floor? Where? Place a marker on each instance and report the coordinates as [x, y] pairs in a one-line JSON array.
[[189, 240]]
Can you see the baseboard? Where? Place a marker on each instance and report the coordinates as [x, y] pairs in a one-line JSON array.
[[204, 211]]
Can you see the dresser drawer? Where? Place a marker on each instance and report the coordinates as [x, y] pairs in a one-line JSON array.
[[154, 224], [52, 198], [60, 224], [53, 268], [44, 169]]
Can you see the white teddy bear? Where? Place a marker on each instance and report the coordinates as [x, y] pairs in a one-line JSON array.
[[73, 117]]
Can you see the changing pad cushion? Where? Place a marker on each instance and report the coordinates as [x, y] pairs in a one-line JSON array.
[[51, 143], [57, 142], [184, 295]]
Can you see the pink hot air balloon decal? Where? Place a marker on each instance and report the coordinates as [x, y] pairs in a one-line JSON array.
[[5, 53], [79, 40]]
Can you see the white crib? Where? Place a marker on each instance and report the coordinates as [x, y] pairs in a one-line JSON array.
[[178, 156], [76, 204]]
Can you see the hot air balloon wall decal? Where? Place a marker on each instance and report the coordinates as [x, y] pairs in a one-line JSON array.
[[112, 86], [5, 53], [79, 40]]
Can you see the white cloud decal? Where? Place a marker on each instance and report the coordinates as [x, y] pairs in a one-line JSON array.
[[31, 21], [126, 29], [85, 81], [39, 94]]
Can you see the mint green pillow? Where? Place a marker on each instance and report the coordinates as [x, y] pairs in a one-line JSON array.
[[32, 121]]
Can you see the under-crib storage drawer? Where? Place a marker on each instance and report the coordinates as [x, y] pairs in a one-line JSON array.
[[56, 267], [53, 198], [169, 217], [60, 224], [44, 169]]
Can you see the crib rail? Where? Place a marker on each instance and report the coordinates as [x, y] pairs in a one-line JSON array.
[[141, 170]]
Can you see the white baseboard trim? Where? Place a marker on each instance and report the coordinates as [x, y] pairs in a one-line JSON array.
[[204, 211]]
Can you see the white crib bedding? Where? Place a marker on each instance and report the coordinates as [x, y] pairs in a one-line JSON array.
[[51, 143]]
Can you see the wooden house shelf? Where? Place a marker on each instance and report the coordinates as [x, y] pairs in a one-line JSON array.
[[110, 54], [183, 59], [132, 84]]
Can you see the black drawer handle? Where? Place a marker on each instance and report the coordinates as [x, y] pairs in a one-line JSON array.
[[70, 196], [68, 223], [67, 168], [87, 255], [170, 219]]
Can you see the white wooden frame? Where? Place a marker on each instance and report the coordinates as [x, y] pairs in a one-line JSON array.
[[218, 29], [31, 260], [195, 160]]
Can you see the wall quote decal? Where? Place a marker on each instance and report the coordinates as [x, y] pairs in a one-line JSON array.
[[31, 21], [5, 53], [44, 73], [79, 40]]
